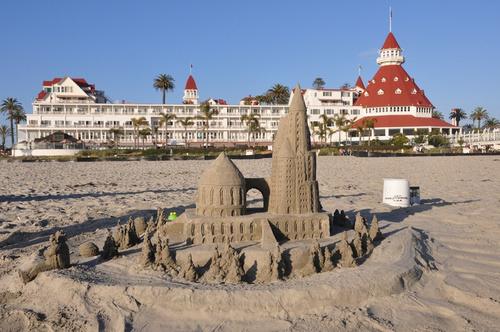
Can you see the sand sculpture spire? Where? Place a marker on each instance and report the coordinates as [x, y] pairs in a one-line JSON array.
[[294, 189]]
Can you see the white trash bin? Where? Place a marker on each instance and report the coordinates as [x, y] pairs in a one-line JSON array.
[[396, 192]]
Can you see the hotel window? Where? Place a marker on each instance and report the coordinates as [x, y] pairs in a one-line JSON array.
[[329, 111], [315, 111], [355, 112], [379, 132], [33, 122], [327, 93]]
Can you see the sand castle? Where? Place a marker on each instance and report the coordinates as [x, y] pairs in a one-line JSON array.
[[291, 199]]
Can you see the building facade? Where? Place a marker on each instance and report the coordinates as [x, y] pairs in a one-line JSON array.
[[391, 98]]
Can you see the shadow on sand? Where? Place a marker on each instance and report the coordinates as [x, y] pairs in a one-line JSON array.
[[35, 198], [397, 215], [26, 239]]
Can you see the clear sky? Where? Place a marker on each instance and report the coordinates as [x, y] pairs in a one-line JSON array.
[[238, 48]]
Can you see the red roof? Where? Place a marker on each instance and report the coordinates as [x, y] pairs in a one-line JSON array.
[[392, 86], [359, 83], [190, 84], [399, 121], [390, 42], [79, 81], [41, 95]]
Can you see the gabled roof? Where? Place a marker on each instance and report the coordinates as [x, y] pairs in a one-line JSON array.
[[392, 86], [190, 83], [359, 83], [404, 120], [390, 42]]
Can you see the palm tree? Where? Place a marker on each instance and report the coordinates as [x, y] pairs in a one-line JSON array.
[[4, 132], [252, 122], [361, 130], [186, 122], [437, 115], [255, 128], [154, 134], [479, 114], [323, 132], [279, 94], [165, 118], [144, 133], [347, 128], [164, 83], [207, 114], [458, 114], [137, 123], [369, 124], [492, 123], [117, 132], [339, 121], [17, 116], [318, 83], [10, 106]]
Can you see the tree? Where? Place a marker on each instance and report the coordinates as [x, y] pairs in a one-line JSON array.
[[255, 128], [10, 106], [318, 83], [361, 130], [17, 116], [345, 86], [420, 136], [144, 133], [263, 99], [369, 124], [207, 114], [437, 140], [479, 114], [154, 135], [399, 140], [437, 115], [117, 132], [138, 123], [279, 94], [349, 123], [252, 122], [458, 114], [492, 123], [4, 132], [186, 122], [164, 83], [165, 118], [339, 121]]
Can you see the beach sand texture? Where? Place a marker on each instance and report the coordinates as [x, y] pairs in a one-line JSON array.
[[437, 270]]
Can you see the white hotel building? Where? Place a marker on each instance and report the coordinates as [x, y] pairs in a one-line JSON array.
[[73, 106]]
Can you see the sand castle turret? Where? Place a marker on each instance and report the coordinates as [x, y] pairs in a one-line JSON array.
[[221, 190], [294, 189]]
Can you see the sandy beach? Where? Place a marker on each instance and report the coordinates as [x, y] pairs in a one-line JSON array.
[[437, 270]]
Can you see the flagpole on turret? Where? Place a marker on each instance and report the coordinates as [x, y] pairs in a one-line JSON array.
[[390, 19]]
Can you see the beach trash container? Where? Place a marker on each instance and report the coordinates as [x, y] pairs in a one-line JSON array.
[[396, 192], [414, 195]]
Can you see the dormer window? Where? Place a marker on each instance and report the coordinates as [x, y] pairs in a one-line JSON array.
[[414, 92], [407, 79], [380, 92], [366, 94], [396, 79], [383, 80], [373, 81], [398, 91]]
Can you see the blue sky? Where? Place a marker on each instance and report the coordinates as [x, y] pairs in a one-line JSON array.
[[244, 47]]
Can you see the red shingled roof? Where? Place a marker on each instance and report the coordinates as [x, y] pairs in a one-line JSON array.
[[41, 95], [401, 121], [390, 42], [392, 86], [359, 83], [190, 84]]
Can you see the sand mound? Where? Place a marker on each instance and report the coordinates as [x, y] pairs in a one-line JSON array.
[[100, 299]]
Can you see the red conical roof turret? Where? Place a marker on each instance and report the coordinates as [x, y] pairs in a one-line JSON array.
[[359, 83], [190, 83], [390, 42]]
